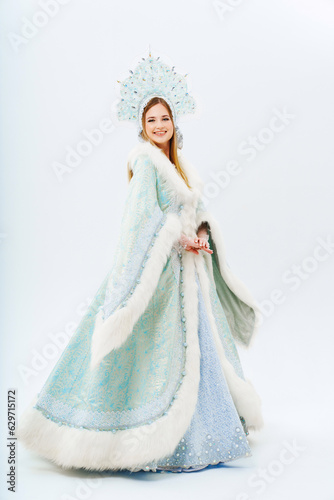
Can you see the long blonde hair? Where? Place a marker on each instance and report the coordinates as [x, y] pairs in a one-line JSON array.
[[172, 142]]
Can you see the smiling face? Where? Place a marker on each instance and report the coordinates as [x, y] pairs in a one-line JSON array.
[[158, 125]]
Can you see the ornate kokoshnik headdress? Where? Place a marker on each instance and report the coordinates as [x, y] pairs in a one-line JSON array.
[[153, 78]]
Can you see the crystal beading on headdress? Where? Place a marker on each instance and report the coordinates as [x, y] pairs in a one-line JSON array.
[[153, 78]]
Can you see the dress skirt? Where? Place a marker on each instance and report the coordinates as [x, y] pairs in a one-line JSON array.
[[216, 433]]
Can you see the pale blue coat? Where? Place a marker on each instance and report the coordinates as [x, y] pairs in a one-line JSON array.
[[152, 369]]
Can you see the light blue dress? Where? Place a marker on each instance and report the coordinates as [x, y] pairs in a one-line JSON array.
[[216, 433]]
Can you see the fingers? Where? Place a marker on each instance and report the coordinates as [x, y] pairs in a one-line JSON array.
[[198, 243], [194, 250], [202, 243]]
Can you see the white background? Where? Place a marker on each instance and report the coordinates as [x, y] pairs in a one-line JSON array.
[[245, 59]]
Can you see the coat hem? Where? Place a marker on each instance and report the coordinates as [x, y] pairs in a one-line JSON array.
[[72, 447]]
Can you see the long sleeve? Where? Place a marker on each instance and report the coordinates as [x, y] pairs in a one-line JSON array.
[[142, 218], [146, 238]]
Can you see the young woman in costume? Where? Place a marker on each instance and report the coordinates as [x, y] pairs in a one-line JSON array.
[[151, 379]]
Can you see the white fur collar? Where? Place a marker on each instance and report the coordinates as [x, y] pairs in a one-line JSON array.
[[168, 172]]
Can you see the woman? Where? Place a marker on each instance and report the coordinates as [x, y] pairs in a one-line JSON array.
[[151, 380]]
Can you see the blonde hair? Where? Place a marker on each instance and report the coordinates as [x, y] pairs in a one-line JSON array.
[[172, 142]]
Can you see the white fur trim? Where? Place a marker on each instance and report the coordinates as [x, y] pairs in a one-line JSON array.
[[167, 171], [131, 448], [245, 398], [113, 332]]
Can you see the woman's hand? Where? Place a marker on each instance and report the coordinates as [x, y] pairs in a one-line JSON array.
[[202, 242], [195, 244]]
